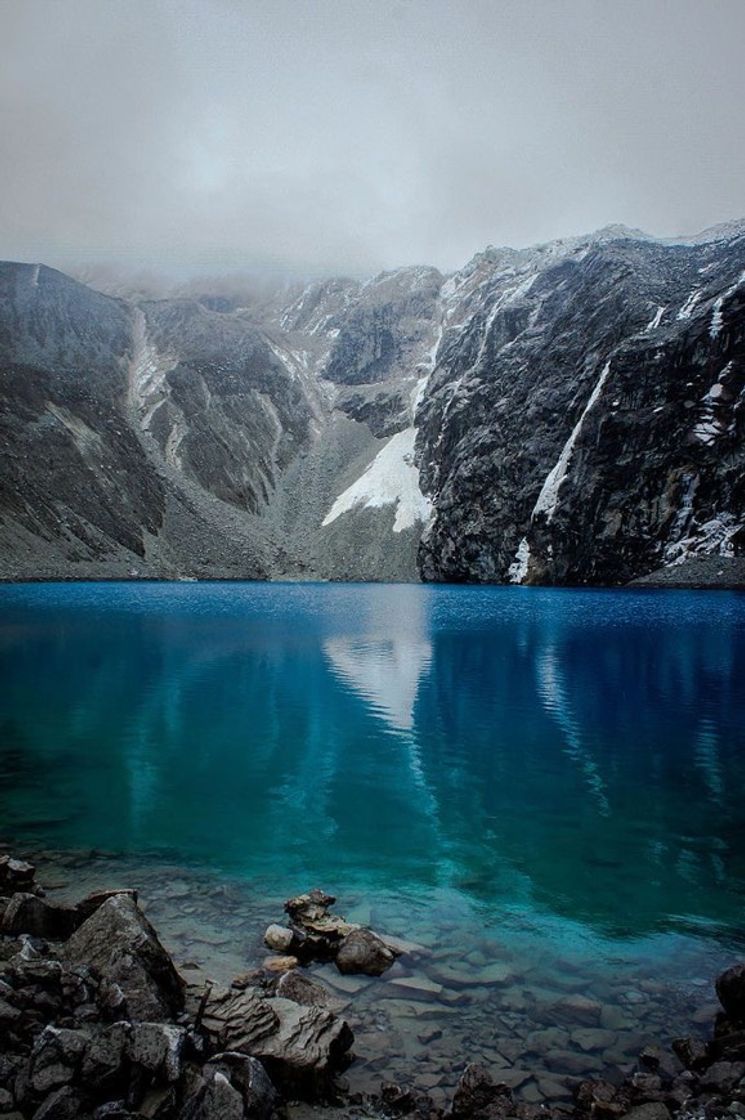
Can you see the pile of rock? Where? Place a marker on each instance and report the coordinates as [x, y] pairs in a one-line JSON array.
[[315, 934], [96, 1022]]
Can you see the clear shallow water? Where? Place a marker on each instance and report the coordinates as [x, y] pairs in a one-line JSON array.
[[548, 778]]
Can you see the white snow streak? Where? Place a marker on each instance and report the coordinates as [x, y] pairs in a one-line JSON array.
[[549, 495], [687, 309], [391, 479], [518, 569], [654, 322], [35, 276], [716, 314]]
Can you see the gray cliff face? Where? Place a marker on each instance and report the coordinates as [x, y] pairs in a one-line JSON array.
[[570, 413], [587, 425]]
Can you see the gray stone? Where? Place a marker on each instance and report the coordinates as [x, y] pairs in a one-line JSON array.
[[157, 1048], [300, 1046], [298, 987], [120, 943], [279, 938], [15, 874], [62, 1104], [722, 1076], [652, 1111], [233, 1087], [55, 1058], [363, 951], [476, 1093], [25, 913], [103, 1062]]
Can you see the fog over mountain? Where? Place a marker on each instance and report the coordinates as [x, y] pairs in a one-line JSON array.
[[253, 322], [324, 138]]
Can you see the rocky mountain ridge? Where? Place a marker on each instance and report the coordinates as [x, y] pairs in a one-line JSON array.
[[566, 414]]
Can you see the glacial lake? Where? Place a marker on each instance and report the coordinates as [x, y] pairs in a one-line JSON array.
[[542, 788]]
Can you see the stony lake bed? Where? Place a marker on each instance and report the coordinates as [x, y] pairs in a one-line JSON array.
[[537, 791]]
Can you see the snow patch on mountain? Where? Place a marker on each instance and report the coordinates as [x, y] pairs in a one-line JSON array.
[[391, 479], [518, 569]]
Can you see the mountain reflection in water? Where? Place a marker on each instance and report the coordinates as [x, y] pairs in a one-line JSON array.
[[575, 753]]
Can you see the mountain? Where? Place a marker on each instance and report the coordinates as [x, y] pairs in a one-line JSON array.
[[570, 413]]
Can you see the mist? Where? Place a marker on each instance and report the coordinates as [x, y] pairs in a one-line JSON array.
[[296, 139]]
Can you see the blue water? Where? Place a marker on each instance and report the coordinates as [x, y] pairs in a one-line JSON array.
[[557, 765]]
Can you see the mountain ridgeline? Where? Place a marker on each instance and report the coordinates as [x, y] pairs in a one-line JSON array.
[[567, 414]]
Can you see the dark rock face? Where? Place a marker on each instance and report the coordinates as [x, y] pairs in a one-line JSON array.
[[566, 414], [586, 425]]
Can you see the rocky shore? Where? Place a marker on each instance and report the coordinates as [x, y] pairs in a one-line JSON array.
[[96, 1021]]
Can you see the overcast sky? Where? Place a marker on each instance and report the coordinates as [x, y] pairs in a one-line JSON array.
[[317, 136]]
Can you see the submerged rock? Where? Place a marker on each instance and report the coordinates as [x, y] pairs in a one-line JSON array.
[[280, 964], [363, 951], [478, 1095], [279, 938]]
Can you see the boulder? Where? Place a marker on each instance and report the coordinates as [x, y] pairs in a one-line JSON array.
[[156, 1048], [654, 1110], [119, 942], [62, 1104], [234, 1087], [232, 1019], [103, 1065], [55, 1059], [279, 938], [309, 1046], [26, 913], [319, 931], [15, 875], [693, 1052], [301, 1046], [397, 1098], [363, 951], [478, 1095], [88, 905], [300, 988], [731, 991], [722, 1076]]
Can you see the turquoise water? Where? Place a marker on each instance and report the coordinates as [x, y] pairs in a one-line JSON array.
[[558, 773]]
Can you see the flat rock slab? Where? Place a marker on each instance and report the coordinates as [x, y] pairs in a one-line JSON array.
[[419, 984], [301, 1046]]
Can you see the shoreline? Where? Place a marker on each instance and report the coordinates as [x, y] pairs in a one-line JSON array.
[[661, 580], [642, 1086]]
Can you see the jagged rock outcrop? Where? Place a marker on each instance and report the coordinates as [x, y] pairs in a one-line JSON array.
[[570, 413], [119, 942]]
